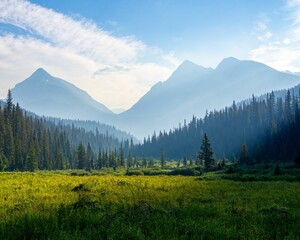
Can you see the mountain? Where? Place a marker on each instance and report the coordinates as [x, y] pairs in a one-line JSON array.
[[46, 95], [190, 90], [193, 89]]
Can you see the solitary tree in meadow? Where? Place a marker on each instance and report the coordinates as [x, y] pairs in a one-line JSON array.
[[206, 153]]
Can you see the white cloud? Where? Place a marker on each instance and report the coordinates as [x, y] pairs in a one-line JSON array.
[[266, 36], [285, 53], [262, 23], [262, 32], [75, 50], [81, 36]]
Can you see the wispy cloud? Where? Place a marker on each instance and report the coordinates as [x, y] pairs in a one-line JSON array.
[[262, 23], [284, 53], [80, 36], [110, 69], [262, 31], [78, 51]]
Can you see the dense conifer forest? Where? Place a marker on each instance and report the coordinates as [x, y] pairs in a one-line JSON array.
[[256, 131], [260, 130], [29, 142]]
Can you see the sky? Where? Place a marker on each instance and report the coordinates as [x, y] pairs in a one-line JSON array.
[[116, 50]]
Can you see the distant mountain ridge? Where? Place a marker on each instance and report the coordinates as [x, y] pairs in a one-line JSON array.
[[190, 90], [193, 89], [46, 95]]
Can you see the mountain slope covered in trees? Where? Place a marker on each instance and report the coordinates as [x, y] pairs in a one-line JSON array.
[[94, 126], [267, 129]]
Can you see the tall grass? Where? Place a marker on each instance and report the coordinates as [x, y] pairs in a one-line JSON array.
[[49, 205]]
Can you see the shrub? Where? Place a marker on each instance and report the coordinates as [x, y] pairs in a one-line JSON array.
[[134, 173], [277, 170], [80, 173], [297, 161], [186, 172], [230, 170], [155, 172]]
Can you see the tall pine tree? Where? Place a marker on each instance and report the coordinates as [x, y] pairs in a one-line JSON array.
[[206, 153]]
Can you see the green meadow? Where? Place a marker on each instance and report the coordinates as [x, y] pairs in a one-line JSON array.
[[57, 205]]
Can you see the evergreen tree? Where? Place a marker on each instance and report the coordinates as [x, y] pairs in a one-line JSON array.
[[244, 154], [81, 157], [151, 162], [60, 160], [122, 159], [2, 162], [90, 158], [100, 160], [162, 158], [184, 162], [144, 163], [31, 163], [206, 153], [129, 160]]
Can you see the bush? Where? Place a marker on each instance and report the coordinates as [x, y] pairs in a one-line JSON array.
[[134, 173], [277, 170], [186, 172], [230, 170], [155, 172], [297, 161], [80, 173]]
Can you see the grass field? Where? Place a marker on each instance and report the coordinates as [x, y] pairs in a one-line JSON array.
[[47, 205]]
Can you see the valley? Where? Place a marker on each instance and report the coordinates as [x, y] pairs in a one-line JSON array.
[[155, 119]]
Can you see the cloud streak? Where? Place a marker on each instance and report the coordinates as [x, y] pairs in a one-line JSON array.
[[283, 54], [112, 69], [82, 37]]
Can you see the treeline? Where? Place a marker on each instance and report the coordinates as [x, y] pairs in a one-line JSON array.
[[261, 130], [28, 142], [116, 158]]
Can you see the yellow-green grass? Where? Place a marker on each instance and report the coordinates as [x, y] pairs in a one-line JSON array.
[[45, 205]]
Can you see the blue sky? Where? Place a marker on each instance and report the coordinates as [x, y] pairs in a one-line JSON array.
[[117, 49], [188, 28]]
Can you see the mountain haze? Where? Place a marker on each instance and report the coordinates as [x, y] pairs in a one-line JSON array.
[[190, 90], [193, 89], [46, 95]]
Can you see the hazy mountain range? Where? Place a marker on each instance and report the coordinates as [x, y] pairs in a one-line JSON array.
[[190, 90]]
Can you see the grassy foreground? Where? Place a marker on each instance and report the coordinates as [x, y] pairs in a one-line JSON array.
[[58, 206]]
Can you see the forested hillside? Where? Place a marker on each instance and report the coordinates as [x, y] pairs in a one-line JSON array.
[[94, 126], [28, 142], [267, 129]]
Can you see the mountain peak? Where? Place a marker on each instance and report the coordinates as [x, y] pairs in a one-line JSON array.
[[228, 63], [189, 67], [230, 59], [40, 74], [187, 64], [40, 71]]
